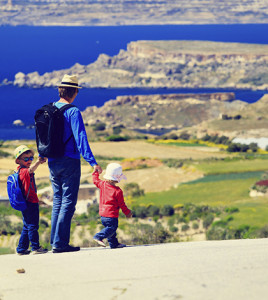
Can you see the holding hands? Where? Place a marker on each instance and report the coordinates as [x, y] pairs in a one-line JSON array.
[[42, 159], [98, 169]]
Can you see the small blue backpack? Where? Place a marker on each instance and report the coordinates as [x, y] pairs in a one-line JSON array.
[[16, 197]]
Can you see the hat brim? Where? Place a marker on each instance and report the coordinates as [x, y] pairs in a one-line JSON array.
[[108, 177], [17, 159], [69, 85]]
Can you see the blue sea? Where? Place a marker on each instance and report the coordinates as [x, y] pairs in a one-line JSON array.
[[44, 49]]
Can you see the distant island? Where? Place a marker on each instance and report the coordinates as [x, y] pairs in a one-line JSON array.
[[121, 12], [194, 114], [170, 64]]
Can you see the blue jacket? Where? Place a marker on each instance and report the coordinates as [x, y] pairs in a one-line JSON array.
[[74, 127]]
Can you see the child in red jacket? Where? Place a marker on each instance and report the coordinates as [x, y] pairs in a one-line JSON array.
[[111, 200], [24, 157]]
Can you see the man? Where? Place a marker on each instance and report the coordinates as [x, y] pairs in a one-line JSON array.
[[65, 171]]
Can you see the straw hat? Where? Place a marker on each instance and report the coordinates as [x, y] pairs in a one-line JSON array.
[[20, 150], [114, 172], [70, 81]]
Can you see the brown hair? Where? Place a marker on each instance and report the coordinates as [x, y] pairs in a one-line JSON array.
[[66, 92]]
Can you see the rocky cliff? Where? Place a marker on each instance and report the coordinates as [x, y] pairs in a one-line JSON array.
[[121, 12], [154, 112], [171, 64]]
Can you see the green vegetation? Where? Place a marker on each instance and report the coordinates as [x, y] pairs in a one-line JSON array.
[[117, 138], [232, 166], [132, 190], [6, 251], [237, 147], [3, 153]]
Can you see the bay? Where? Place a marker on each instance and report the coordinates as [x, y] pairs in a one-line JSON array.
[[44, 49]]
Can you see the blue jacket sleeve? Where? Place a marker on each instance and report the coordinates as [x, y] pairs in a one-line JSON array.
[[80, 135]]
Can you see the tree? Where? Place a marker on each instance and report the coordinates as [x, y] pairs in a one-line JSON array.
[[253, 147]]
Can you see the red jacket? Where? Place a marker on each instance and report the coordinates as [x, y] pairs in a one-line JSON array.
[[27, 181], [111, 198]]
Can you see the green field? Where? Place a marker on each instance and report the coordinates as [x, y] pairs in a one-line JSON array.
[[222, 193], [236, 166]]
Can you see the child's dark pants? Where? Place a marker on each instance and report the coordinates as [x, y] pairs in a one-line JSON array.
[[30, 228], [109, 231]]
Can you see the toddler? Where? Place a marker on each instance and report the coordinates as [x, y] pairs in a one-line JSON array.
[[111, 200]]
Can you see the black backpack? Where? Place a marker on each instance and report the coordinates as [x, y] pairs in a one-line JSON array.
[[49, 129]]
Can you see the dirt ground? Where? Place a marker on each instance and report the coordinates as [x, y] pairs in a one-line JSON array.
[[137, 149]]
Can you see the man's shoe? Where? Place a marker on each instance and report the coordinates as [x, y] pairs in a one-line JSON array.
[[100, 242], [68, 248], [119, 246], [40, 250], [25, 252]]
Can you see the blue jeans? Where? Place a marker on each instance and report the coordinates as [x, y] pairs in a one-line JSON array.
[[65, 175], [30, 228], [109, 231]]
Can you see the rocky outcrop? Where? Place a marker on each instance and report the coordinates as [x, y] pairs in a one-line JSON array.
[[171, 64], [121, 12], [154, 112]]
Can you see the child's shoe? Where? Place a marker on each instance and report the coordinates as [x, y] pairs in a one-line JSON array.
[[40, 250], [119, 246], [25, 252], [100, 242]]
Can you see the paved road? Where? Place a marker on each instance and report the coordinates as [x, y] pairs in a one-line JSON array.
[[192, 271]]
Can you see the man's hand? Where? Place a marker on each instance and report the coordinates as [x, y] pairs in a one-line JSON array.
[[42, 159], [98, 169]]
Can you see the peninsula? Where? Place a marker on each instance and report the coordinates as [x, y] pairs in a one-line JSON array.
[[170, 64]]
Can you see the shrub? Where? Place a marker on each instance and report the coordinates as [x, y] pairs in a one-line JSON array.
[[185, 136], [93, 210], [263, 232], [231, 210], [140, 211], [117, 129], [167, 210], [253, 147], [237, 117], [241, 231], [172, 136], [181, 219], [132, 189], [4, 154], [99, 127], [216, 233], [173, 229], [117, 138], [195, 225], [43, 223], [185, 227], [153, 211], [208, 221], [147, 234], [193, 216], [173, 163]]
